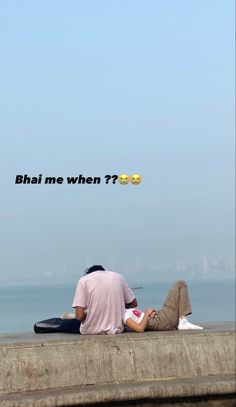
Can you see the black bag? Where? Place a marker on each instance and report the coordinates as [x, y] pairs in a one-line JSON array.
[[55, 325]]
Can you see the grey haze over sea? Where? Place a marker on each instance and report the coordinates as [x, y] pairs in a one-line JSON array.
[[22, 306]]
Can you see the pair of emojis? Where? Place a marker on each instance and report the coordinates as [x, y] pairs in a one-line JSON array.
[[124, 179]]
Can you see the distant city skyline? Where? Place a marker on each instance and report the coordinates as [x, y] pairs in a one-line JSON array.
[[202, 268]]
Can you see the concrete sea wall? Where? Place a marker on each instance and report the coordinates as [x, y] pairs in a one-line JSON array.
[[71, 370]]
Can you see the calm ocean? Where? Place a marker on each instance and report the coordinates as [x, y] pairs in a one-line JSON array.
[[22, 306]]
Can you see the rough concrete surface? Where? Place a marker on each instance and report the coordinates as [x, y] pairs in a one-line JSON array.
[[68, 370]]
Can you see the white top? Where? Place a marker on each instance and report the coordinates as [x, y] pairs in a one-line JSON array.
[[103, 294], [135, 314]]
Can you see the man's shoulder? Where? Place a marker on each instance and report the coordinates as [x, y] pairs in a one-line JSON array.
[[116, 275], [83, 279]]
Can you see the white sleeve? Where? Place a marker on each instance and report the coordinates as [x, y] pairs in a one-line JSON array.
[[126, 316]]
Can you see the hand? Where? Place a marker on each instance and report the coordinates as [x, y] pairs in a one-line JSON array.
[[149, 311]]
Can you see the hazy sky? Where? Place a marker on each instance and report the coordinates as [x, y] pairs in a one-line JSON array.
[[112, 87]]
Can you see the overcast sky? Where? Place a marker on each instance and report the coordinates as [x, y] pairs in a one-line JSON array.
[[111, 87]]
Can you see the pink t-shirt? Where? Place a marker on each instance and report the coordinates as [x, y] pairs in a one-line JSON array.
[[103, 294]]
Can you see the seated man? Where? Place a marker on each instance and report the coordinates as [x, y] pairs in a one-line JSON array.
[[100, 301]]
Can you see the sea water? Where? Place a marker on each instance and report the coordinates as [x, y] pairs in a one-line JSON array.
[[22, 306]]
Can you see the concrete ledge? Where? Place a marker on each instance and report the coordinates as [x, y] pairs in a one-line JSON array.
[[114, 393], [64, 370]]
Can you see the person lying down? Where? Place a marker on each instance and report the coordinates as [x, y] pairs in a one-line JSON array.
[[173, 314]]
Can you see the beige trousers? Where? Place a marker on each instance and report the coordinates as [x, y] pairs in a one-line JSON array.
[[176, 304]]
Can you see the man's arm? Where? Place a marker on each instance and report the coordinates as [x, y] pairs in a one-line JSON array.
[[132, 304], [80, 300], [129, 298], [80, 314]]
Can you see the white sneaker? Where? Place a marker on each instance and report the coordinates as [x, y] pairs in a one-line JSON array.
[[185, 325], [67, 315]]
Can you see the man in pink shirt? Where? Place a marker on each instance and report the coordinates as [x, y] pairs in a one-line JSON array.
[[100, 300]]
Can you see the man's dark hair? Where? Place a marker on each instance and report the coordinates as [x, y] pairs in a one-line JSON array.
[[96, 267]]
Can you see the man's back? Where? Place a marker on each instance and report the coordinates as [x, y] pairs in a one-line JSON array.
[[103, 294]]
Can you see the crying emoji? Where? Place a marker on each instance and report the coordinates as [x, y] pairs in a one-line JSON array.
[[135, 179], [123, 179]]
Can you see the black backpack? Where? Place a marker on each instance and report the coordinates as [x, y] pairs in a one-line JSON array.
[[55, 325]]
